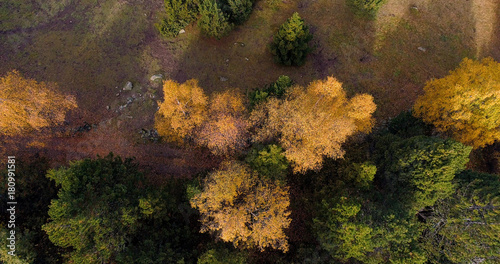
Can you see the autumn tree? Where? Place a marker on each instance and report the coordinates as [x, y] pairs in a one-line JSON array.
[[225, 129], [240, 208], [27, 105], [182, 110], [466, 103], [312, 123], [290, 44]]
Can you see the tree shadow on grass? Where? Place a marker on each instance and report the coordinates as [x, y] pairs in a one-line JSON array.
[[423, 40], [494, 48]]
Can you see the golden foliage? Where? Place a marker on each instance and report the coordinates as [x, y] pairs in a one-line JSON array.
[[242, 209], [313, 123], [466, 103], [182, 110], [27, 105], [225, 129]]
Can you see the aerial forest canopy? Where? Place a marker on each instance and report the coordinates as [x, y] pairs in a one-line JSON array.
[[248, 132]]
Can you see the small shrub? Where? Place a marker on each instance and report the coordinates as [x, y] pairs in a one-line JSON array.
[[290, 44], [276, 89], [212, 22], [279, 87], [365, 8], [269, 162], [179, 13]]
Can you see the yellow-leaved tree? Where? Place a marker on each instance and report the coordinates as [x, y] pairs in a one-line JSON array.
[[226, 128], [312, 123], [182, 110], [27, 105], [466, 103], [240, 208]]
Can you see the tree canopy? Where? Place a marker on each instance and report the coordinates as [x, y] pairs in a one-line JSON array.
[[225, 130], [239, 207], [27, 105], [312, 123], [213, 22], [464, 227], [99, 206], [182, 110], [466, 103], [421, 169], [290, 44]]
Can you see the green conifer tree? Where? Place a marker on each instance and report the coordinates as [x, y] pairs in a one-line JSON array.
[[365, 8], [290, 44], [237, 11], [212, 22], [178, 14]]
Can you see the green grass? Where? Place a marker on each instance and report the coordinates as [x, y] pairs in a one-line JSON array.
[[15, 14], [88, 51]]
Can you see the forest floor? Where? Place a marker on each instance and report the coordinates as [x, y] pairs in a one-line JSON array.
[[91, 48]]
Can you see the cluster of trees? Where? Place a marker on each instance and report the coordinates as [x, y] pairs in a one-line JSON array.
[[98, 211], [310, 123], [215, 17], [402, 195], [399, 194]]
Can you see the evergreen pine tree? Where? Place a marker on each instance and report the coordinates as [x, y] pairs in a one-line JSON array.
[[178, 14], [212, 22], [365, 8], [290, 46], [237, 11]]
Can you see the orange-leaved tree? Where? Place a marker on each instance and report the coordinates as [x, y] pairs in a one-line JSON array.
[[466, 103], [226, 128], [27, 105], [312, 123], [243, 209], [182, 110]]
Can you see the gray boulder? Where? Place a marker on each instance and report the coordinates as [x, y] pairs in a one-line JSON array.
[[128, 86]]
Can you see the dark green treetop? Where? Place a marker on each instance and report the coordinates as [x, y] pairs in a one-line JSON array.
[[290, 44]]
